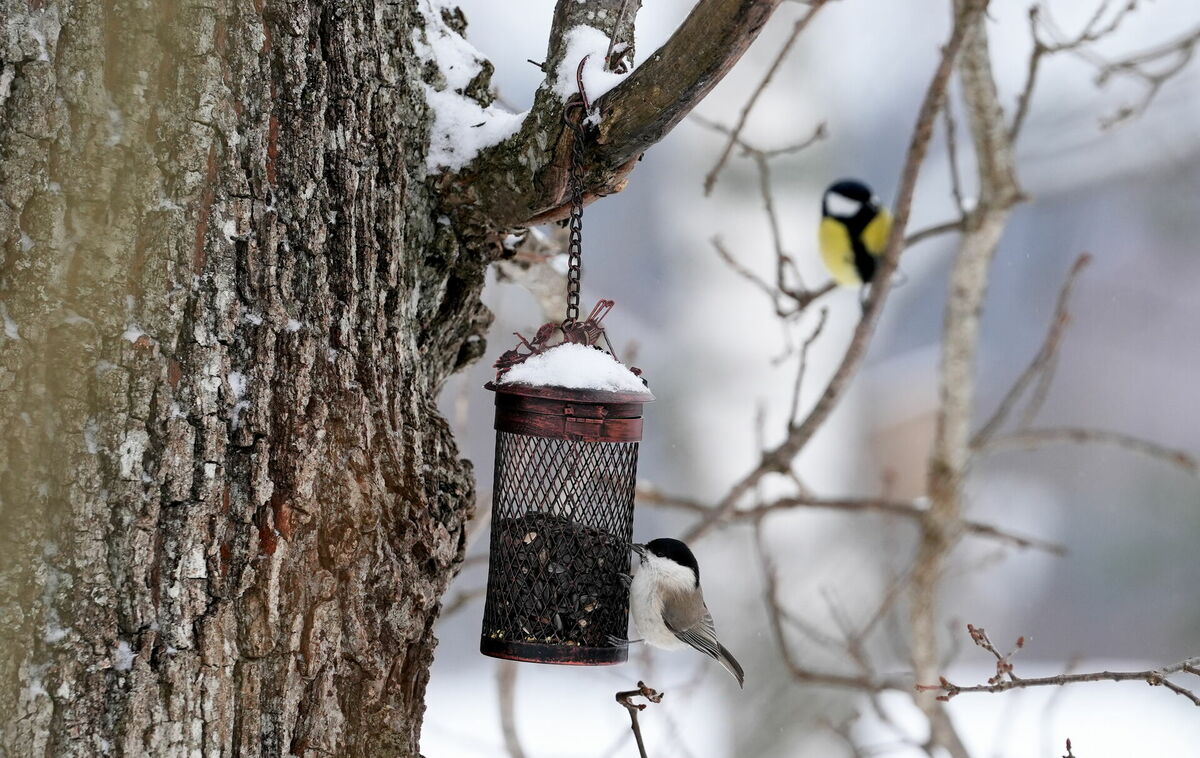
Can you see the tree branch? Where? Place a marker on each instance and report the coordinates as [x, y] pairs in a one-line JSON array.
[[903, 508], [778, 460], [736, 132], [1035, 438], [1042, 361], [523, 180], [506, 693], [1005, 679], [625, 698], [968, 284]]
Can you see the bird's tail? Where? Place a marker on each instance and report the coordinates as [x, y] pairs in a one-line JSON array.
[[731, 665]]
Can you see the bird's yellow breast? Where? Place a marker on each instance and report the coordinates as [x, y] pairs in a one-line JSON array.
[[838, 253], [875, 235]]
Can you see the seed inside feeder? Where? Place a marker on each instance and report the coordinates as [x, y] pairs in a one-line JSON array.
[[566, 587]]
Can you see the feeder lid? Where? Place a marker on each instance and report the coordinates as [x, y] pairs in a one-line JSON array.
[[569, 371], [570, 393]]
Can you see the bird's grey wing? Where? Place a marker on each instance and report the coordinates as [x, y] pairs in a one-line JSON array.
[[693, 624]]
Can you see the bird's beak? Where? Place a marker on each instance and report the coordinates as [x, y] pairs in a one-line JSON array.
[[640, 550]]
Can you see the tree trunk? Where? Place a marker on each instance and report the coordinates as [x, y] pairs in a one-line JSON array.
[[228, 505]]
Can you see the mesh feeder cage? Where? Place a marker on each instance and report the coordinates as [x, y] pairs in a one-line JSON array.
[[562, 510]]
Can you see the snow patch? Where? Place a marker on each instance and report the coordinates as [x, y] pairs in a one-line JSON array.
[[10, 327], [461, 126], [252, 318], [292, 326], [123, 656], [90, 430], [462, 129], [237, 384], [132, 333], [586, 40], [575, 367], [133, 447]]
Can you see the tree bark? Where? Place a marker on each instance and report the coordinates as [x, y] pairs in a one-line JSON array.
[[228, 505]]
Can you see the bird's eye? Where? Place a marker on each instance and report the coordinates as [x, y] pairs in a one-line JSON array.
[[841, 206]]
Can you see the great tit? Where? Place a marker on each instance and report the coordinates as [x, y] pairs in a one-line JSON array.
[[854, 232], [667, 604]]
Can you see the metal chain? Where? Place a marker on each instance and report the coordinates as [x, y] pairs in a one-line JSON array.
[[575, 189]]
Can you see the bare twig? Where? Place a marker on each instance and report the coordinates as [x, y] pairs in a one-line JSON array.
[[625, 698], [786, 270], [711, 179], [506, 691], [1035, 438], [1043, 360], [800, 370], [1079, 45], [904, 508], [956, 189], [460, 601], [866, 681], [1178, 52], [1005, 680], [933, 231]]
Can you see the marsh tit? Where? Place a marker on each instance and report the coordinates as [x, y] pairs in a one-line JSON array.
[[854, 232], [667, 604]]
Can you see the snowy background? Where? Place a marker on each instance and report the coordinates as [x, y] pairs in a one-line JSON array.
[[1125, 596]]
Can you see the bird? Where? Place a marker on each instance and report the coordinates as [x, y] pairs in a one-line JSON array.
[[854, 232], [667, 604]]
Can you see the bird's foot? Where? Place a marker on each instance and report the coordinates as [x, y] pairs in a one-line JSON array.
[[616, 641], [626, 579]]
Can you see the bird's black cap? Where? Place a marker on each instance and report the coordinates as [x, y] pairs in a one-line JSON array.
[[851, 188], [665, 547]]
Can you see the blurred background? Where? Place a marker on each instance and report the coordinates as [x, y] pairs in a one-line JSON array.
[[1124, 597]]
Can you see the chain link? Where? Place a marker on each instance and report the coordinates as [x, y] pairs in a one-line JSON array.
[[575, 190]]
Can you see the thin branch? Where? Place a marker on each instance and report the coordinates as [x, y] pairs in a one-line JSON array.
[[506, 692], [867, 682], [625, 698], [933, 231], [460, 601], [1153, 677], [1042, 361], [956, 189], [800, 297], [778, 460], [1182, 50], [801, 369], [1035, 438], [903, 508], [711, 179], [662, 91]]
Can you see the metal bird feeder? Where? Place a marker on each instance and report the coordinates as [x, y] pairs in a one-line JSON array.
[[562, 501]]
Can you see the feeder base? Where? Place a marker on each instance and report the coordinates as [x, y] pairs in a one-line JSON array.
[[568, 655]]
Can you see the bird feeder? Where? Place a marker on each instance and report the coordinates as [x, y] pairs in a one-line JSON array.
[[562, 500], [568, 424]]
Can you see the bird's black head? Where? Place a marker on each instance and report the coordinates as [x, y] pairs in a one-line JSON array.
[[844, 194], [665, 547]]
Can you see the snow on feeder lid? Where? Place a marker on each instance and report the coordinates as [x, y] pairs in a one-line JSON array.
[[568, 424]]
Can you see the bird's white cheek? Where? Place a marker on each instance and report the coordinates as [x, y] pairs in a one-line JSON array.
[[841, 206]]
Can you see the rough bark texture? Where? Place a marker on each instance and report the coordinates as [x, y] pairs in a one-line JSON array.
[[228, 506]]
